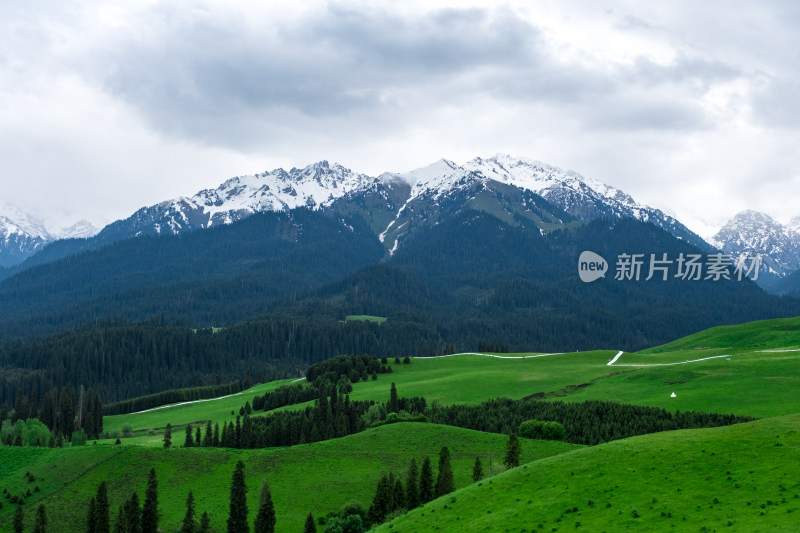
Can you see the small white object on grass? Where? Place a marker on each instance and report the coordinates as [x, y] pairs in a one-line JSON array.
[[673, 395]]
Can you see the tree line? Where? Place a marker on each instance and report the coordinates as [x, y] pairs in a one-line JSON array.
[[61, 416], [592, 422], [188, 394]]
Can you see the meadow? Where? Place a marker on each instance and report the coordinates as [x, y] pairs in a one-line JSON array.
[[741, 478], [317, 478]]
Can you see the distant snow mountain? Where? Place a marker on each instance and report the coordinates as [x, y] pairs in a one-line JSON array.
[[83, 229], [752, 233], [23, 234], [399, 202], [394, 205], [17, 243]]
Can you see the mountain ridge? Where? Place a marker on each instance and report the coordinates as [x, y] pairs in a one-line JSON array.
[[322, 184]]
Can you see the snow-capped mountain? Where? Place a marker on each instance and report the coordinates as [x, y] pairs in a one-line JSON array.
[[584, 198], [23, 234], [398, 202], [18, 242], [314, 186], [752, 233], [82, 229], [566, 191], [394, 205]]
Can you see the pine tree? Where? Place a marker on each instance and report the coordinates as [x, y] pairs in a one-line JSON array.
[[399, 496], [444, 481], [265, 519], [426, 481], [513, 451], [150, 508], [133, 515], [121, 526], [19, 519], [237, 438], [477, 470], [101, 518], [237, 517], [41, 520], [394, 403], [205, 523], [187, 442], [382, 502], [91, 525], [198, 438], [215, 440], [412, 485], [311, 526], [188, 519], [66, 414], [168, 436], [208, 439]]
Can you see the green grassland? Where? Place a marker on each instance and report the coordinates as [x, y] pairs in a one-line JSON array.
[[318, 478], [753, 383], [218, 410], [758, 375], [365, 318], [779, 333], [744, 477]]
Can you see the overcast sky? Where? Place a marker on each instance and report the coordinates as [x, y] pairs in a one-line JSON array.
[[689, 106]]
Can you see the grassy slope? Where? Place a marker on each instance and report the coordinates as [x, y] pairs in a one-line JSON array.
[[693, 480], [472, 379], [750, 383], [780, 333], [316, 478], [216, 410]]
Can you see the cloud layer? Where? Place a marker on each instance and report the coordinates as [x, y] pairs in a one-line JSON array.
[[689, 107]]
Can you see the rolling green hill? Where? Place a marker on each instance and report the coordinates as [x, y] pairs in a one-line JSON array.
[[750, 382], [779, 333], [317, 478], [696, 478], [738, 478]]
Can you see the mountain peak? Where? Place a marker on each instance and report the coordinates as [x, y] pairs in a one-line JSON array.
[[752, 233], [432, 174], [82, 229]]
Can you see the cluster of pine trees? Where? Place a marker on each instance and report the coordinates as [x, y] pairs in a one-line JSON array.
[[393, 497], [591, 422], [62, 412], [135, 518]]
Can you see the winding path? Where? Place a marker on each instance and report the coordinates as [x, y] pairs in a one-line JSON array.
[[493, 355], [613, 361]]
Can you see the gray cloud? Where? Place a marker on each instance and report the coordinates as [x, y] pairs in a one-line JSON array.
[[205, 91], [202, 77]]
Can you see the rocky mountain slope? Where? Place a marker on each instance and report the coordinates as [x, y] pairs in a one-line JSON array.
[[751, 233]]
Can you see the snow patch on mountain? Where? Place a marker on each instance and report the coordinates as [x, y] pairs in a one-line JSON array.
[[314, 186]]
